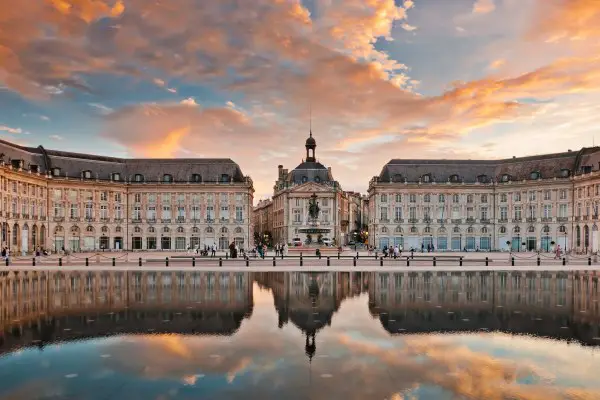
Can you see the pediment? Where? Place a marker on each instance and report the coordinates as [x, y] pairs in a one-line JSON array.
[[311, 187]]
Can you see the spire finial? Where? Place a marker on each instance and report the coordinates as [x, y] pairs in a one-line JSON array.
[[310, 117]]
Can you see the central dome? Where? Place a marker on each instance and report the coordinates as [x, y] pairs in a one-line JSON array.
[[310, 142]]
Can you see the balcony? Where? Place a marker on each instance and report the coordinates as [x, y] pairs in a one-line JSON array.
[[210, 220], [531, 220], [195, 220], [503, 220], [456, 221], [74, 219], [576, 218], [345, 222], [398, 220], [470, 220], [329, 223], [16, 215], [224, 220], [595, 217], [562, 219], [427, 220], [149, 220], [383, 220], [585, 217], [118, 220], [136, 220], [546, 219], [484, 221], [441, 220], [58, 219], [25, 216], [516, 220], [181, 220], [238, 221], [105, 220], [90, 219], [412, 220], [165, 220]]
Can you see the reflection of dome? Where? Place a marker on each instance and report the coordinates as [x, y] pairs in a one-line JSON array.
[[313, 289]]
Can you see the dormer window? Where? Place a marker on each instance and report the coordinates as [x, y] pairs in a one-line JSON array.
[[586, 169], [116, 176], [426, 178], [55, 171], [505, 178], [87, 174], [34, 168], [196, 178], [138, 178], [482, 179], [167, 178], [398, 178], [565, 173], [16, 163], [534, 175], [317, 179], [304, 179], [454, 178], [225, 178]]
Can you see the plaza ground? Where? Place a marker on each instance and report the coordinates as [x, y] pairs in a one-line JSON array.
[[347, 261]]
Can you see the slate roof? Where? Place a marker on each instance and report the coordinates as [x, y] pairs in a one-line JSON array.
[[310, 170], [102, 167], [471, 171]]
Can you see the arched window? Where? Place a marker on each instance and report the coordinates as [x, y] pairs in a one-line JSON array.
[[151, 230], [562, 229], [224, 230], [195, 230], [118, 229], [517, 229], [427, 230], [441, 231], [413, 229], [484, 230], [180, 229], [209, 230], [535, 175], [86, 174], [470, 229], [225, 178], [166, 229], [454, 178], [116, 176], [505, 178], [456, 229], [196, 178], [565, 173], [55, 171], [304, 179], [531, 229], [89, 228], [138, 178], [104, 229], [167, 178], [483, 179], [546, 229], [502, 229], [238, 230], [383, 229], [317, 179], [137, 229], [426, 178], [398, 229]]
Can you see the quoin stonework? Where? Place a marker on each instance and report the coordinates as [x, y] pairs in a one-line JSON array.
[[519, 204], [80, 202]]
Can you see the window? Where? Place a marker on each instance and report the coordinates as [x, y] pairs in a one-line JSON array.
[[383, 198], [180, 229], [398, 213], [441, 198], [426, 198], [482, 179], [55, 171], [565, 173], [547, 213], [166, 229], [397, 178], [103, 196], [239, 215], [455, 198], [454, 178], [412, 212], [196, 178], [89, 211], [87, 174], [502, 229], [383, 213], [137, 198], [503, 198], [137, 213], [138, 178], [103, 211], [484, 213], [563, 210], [547, 195], [398, 198], [117, 197], [532, 195], [412, 198], [317, 179], [505, 178], [503, 213], [325, 202], [562, 229], [517, 196], [166, 212], [484, 198], [534, 175], [167, 178], [225, 178], [469, 198], [426, 178], [166, 198], [137, 229], [224, 213], [518, 212]]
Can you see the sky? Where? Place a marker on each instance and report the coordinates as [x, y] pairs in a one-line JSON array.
[[376, 79]]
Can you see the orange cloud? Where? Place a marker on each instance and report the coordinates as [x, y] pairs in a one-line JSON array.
[[483, 6]]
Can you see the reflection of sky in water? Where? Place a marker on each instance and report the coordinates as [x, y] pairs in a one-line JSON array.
[[355, 358]]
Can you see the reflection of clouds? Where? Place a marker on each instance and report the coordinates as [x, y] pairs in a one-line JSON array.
[[441, 362]]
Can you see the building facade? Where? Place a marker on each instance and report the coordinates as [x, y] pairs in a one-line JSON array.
[[519, 204], [291, 195], [82, 202]]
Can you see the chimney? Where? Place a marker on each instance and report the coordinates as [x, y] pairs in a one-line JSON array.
[[280, 171]]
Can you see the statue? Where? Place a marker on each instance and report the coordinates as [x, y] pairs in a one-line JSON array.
[[313, 207]]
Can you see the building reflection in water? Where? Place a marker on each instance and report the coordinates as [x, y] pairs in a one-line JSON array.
[[44, 307], [550, 304]]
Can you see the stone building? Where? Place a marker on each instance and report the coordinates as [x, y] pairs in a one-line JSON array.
[[516, 204], [263, 219], [57, 199], [291, 195]]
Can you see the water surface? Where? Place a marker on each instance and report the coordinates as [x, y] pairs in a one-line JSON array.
[[190, 335]]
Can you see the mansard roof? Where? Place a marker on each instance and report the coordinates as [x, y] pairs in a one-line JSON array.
[[470, 171], [73, 164]]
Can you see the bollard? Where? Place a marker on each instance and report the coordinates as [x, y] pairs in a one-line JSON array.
[[381, 261], [113, 262], [328, 261], [274, 263], [407, 261], [34, 261], [354, 261], [538, 261], [319, 255], [167, 261], [376, 255], [220, 261], [87, 262], [140, 261], [193, 261], [247, 262], [460, 261], [487, 262], [512, 261], [59, 262], [301, 260], [282, 254], [7, 261], [564, 261], [589, 260], [434, 262], [226, 256], [338, 255], [357, 254]]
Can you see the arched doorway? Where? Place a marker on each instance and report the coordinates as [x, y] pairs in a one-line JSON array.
[[74, 239], [34, 239], [15, 237], [586, 237], [25, 239], [59, 238], [595, 238], [577, 237], [42, 236]]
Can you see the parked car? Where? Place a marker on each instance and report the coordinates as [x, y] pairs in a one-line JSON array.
[[297, 242], [327, 241]]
